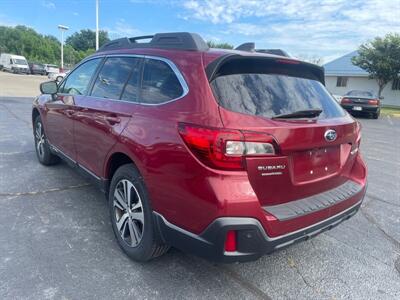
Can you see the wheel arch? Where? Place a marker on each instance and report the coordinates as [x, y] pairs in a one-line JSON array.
[[116, 160], [35, 114]]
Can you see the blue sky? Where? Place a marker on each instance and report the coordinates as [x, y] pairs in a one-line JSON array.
[[305, 28]]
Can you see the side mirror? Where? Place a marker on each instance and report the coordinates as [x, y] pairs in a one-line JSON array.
[[49, 87], [381, 98]]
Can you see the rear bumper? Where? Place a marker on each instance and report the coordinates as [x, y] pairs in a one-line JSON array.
[[252, 240], [20, 70], [364, 108]]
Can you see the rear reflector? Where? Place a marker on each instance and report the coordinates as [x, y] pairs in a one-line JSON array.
[[230, 241], [225, 149]]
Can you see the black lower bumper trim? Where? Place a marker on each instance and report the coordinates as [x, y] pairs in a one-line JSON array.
[[365, 108], [252, 241]]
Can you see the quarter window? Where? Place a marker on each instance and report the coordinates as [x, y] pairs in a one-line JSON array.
[[113, 76], [160, 83], [77, 83], [341, 81]]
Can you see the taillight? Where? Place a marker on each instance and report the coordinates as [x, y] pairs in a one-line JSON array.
[[373, 102], [345, 100], [225, 148]]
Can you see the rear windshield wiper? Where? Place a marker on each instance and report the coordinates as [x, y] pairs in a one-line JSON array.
[[310, 113]]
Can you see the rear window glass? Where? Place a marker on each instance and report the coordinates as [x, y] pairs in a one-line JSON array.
[[360, 94], [269, 95]]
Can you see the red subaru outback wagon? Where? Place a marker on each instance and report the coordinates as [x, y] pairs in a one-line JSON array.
[[227, 154]]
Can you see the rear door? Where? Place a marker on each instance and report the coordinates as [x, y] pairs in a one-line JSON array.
[[105, 112], [313, 154], [60, 112]]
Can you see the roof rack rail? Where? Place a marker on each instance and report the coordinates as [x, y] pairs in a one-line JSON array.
[[172, 40], [249, 47]]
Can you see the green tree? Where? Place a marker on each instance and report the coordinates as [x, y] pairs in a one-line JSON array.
[[36, 47], [212, 44], [25, 41], [86, 39], [381, 59]]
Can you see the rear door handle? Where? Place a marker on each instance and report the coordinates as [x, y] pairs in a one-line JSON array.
[[69, 112]]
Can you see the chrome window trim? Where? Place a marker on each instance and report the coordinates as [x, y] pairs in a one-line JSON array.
[[171, 64]]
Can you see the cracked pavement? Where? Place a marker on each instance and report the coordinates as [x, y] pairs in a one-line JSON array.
[[56, 240]]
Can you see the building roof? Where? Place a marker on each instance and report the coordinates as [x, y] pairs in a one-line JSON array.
[[343, 66]]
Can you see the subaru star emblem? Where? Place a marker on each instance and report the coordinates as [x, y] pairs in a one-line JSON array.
[[330, 135]]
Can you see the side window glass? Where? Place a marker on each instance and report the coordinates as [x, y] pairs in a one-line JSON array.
[[113, 76], [78, 81], [131, 91], [160, 83]]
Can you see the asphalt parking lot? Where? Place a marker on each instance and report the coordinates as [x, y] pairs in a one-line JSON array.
[[56, 240], [20, 84]]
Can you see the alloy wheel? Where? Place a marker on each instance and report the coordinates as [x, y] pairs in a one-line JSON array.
[[40, 139], [128, 210]]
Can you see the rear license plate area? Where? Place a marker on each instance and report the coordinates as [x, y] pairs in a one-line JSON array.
[[315, 163]]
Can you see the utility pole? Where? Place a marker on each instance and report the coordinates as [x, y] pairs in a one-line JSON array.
[[97, 24], [62, 29]]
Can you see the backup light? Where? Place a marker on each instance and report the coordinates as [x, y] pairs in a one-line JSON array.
[[248, 148]]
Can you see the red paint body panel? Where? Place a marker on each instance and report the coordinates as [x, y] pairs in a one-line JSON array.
[[182, 189]]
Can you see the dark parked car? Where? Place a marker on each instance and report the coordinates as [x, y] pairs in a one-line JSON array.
[[226, 154], [37, 68], [365, 102]]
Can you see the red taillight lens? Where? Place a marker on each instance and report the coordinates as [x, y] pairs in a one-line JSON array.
[[230, 241], [225, 148], [346, 100], [373, 102]]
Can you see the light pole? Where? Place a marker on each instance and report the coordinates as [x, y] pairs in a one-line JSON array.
[[97, 25], [62, 29]]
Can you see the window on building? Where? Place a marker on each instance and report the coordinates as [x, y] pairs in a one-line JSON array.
[[341, 81], [396, 84]]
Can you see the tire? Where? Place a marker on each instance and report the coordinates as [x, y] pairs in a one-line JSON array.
[[59, 78], [43, 153], [376, 115], [135, 230]]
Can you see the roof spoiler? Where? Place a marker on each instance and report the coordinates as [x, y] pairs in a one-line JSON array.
[[251, 47], [233, 63], [173, 40]]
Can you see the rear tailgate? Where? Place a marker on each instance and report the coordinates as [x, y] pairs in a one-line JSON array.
[[306, 162]]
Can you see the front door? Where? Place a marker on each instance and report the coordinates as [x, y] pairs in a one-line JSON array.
[[61, 112], [59, 124]]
